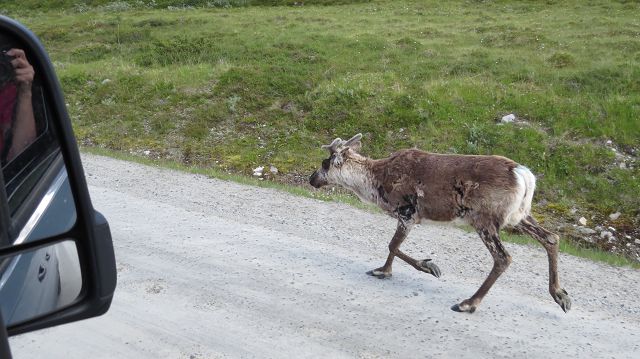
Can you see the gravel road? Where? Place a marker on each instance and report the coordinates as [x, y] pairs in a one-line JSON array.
[[213, 269]]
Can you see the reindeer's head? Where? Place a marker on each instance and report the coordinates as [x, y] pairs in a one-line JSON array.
[[341, 153]]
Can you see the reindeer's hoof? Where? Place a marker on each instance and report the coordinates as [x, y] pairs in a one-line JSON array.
[[562, 298], [429, 267], [378, 273], [464, 307]]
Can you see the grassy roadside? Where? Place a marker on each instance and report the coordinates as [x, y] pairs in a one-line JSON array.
[[333, 196], [227, 87], [571, 248], [567, 247]]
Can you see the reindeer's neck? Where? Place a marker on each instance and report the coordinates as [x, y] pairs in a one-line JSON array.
[[361, 180]]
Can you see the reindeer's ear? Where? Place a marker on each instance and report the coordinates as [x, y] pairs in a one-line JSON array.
[[356, 146]]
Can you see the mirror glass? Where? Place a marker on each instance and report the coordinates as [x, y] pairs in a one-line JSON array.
[[39, 282], [36, 200], [39, 201]]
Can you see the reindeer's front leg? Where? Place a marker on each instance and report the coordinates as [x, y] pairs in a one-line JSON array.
[[403, 229], [501, 261]]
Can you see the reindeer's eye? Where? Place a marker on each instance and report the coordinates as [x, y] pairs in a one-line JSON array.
[[325, 164]]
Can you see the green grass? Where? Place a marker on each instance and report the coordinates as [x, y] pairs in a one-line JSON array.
[[228, 86]]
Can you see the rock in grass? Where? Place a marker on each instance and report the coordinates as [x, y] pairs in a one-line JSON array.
[[585, 230], [582, 221], [606, 235], [614, 216], [508, 118]]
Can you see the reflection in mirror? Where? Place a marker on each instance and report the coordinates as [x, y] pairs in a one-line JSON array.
[[39, 199], [39, 282], [52, 211], [22, 116], [17, 122], [54, 214]]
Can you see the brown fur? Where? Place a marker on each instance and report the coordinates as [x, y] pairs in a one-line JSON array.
[[468, 181]]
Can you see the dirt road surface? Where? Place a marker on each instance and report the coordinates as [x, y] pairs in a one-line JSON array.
[[213, 269]]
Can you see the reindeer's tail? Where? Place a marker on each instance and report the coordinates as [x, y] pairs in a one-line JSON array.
[[526, 186]]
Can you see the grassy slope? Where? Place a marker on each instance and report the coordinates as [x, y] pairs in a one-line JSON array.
[[235, 88]]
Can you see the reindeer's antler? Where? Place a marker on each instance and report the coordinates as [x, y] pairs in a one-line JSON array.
[[338, 142], [353, 140], [332, 147]]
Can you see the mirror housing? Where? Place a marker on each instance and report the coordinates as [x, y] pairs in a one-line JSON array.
[[90, 232]]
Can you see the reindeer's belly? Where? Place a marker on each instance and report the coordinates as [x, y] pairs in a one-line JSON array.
[[419, 206], [435, 214]]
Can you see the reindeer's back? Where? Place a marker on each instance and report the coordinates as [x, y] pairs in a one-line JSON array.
[[443, 186]]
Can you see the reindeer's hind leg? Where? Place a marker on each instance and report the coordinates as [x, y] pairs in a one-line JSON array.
[[550, 241], [501, 261], [402, 231]]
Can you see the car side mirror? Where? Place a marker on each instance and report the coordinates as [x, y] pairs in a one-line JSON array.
[[52, 241]]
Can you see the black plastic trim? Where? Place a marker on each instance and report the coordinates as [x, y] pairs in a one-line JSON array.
[[5, 352]]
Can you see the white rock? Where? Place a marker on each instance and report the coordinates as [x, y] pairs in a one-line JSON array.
[[585, 230], [614, 216], [606, 235], [273, 169], [582, 221], [611, 229], [258, 171], [609, 142], [146, 152], [508, 118], [637, 241], [105, 81]]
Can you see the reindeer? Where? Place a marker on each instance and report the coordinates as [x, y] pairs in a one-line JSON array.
[[486, 192]]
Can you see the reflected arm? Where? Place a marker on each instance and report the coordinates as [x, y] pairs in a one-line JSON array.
[[24, 126]]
